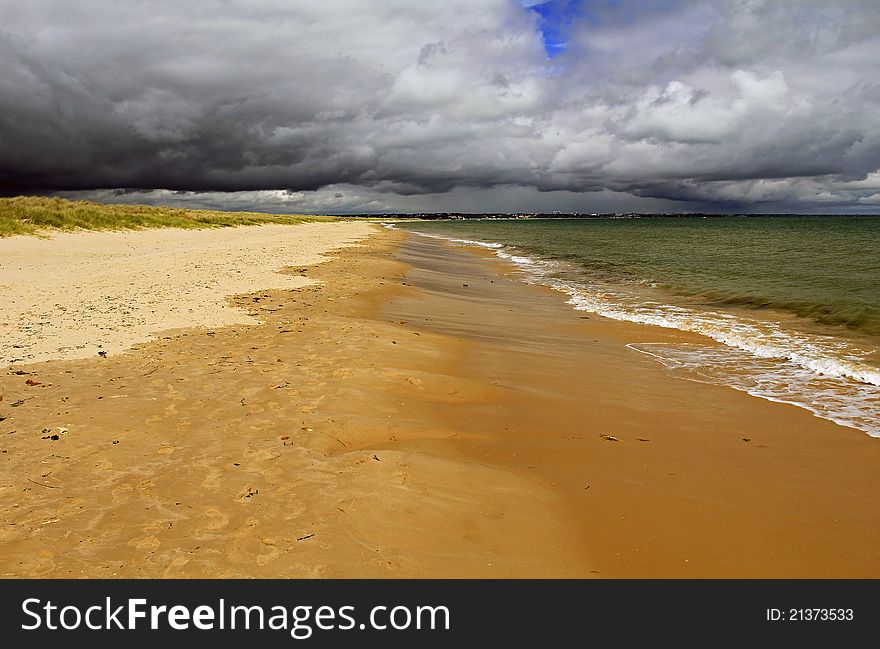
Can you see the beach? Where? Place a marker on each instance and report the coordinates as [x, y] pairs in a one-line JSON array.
[[78, 293], [390, 406]]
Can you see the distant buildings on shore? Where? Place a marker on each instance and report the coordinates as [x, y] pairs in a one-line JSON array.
[[460, 216]]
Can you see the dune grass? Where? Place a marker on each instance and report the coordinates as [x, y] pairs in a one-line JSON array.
[[39, 215]]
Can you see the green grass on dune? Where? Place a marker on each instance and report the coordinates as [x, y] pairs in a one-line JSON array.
[[38, 215]]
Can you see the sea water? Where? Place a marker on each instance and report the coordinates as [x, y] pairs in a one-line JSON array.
[[791, 303]]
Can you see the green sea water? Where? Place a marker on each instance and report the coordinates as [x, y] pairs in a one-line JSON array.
[[791, 303]]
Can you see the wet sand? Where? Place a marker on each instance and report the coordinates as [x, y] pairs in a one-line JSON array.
[[702, 481], [419, 413]]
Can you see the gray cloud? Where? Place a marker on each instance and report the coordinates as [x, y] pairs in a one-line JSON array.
[[348, 106]]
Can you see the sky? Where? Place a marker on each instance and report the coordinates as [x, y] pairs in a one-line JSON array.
[[352, 106]]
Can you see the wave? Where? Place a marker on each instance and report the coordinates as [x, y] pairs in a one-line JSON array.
[[467, 242], [837, 382], [860, 317], [764, 339], [835, 399]]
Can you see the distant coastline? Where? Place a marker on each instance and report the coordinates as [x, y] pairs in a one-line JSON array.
[[463, 216]]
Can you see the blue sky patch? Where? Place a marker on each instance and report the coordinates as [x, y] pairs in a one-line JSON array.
[[556, 20]]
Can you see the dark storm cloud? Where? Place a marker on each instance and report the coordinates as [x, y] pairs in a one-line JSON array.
[[346, 105]]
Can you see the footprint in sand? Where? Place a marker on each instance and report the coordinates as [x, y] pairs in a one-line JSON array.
[[149, 543], [174, 568], [270, 551], [157, 525], [249, 546], [268, 557], [121, 492], [251, 453], [213, 520]]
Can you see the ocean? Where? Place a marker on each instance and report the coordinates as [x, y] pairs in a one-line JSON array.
[[793, 301]]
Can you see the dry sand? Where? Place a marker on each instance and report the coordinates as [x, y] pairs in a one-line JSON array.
[[248, 451], [75, 294], [421, 413]]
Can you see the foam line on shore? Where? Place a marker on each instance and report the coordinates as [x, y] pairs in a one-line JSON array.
[[836, 384]]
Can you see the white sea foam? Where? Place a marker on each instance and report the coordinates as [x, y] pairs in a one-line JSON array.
[[466, 242], [818, 354], [823, 374], [835, 398]]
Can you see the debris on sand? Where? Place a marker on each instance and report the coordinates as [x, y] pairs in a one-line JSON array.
[[610, 438]]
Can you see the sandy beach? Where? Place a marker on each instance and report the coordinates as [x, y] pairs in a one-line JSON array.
[[404, 408], [74, 294]]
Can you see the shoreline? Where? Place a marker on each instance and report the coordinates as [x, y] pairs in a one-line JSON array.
[[729, 485], [397, 421], [768, 353]]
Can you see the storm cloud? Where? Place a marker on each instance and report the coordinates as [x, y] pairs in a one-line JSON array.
[[353, 106]]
